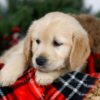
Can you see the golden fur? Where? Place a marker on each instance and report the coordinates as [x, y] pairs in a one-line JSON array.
[[71, 54], [92, 26]]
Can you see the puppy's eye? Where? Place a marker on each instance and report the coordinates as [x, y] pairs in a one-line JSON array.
[[38, 41], [55, 43]]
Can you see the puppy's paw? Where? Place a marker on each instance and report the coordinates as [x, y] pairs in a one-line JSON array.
[[44, 78], [7, 79]]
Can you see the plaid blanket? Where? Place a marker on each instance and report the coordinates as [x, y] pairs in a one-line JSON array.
[[72, 86]]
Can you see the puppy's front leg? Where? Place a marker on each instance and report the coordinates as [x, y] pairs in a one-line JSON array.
[[14, 67], [43, 78]]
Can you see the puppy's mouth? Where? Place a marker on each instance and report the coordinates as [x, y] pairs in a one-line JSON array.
[[40, 68], [43, 69]]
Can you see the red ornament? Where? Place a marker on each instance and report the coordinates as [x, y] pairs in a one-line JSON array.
[[15, 29]]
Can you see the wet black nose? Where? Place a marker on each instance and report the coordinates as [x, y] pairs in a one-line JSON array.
[[41, 60]]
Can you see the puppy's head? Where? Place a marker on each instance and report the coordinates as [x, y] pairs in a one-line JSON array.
[[55, 41]]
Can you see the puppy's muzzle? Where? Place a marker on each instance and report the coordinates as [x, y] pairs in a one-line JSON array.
[[41, 61]]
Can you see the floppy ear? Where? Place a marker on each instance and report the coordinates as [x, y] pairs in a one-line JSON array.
[[28, 45], [80, 50]]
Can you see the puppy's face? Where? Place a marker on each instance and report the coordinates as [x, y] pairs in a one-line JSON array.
[[51, 47], [52, 41]]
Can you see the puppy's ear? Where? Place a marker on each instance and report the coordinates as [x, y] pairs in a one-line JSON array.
[[80, 50], [28, 45]]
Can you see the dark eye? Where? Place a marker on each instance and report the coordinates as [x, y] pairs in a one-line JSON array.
[[55, 43], [38, 41]]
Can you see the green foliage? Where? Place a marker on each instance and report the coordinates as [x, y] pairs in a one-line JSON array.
[[5, 27], [98, 14], [22, 12]]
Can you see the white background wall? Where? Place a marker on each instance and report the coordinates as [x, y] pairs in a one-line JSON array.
[[94, 4], [3, 4]]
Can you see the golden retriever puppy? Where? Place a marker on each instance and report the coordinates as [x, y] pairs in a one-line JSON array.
[[55, 44]]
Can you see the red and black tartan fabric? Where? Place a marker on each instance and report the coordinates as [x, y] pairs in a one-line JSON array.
[[72, 86]]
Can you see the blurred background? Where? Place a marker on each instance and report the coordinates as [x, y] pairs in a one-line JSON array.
[[17, 15]]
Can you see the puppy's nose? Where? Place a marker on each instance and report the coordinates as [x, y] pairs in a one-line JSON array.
[[41, 60]]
